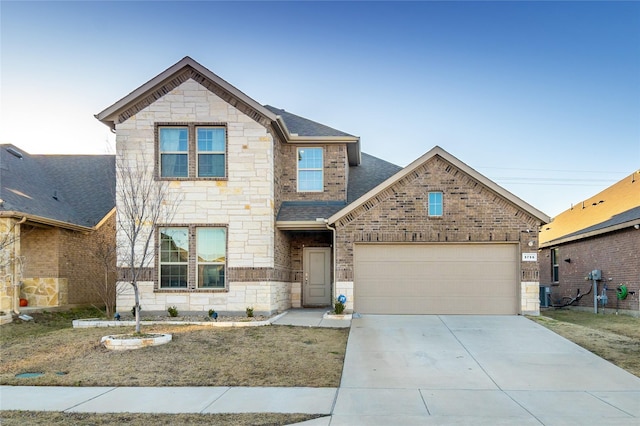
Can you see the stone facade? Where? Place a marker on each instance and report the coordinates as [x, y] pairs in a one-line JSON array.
[[615, 253], [243, 201]]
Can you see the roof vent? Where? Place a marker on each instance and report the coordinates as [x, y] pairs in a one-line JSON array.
[[14, 152]]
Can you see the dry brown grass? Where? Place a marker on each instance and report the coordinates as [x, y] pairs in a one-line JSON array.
[[197, 356], [20, 418], [615, 338]]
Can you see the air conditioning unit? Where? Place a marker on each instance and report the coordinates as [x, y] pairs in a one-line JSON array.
[[545, 296]]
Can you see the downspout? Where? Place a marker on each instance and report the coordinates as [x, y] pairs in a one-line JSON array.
[[333, 252], [16, 283]]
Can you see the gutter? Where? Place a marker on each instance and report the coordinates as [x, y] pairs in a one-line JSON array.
[[47, 221], [334, 257], [16, 285]]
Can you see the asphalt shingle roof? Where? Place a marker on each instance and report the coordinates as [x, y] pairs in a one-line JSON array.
[[76, 189], [617, 204], [303, 126], [370, 173]]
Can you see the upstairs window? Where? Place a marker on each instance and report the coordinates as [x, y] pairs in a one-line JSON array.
[[211, 151], [192, 151], [174, 151], [435, 204], [310, 170]]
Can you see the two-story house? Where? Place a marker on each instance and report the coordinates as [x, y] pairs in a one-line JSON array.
[[279, 211]]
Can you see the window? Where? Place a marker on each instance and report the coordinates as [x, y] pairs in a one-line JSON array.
[[211, 244], [188, 249], [192, 151], [555, 267], [173, 151], [435, 203], [211, 151], [174, 257], [310, 174]]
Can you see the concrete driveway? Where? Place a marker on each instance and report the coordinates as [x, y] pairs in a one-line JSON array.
[[491, 370]]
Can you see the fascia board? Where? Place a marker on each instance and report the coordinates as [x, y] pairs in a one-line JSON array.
[[608, 229], [300, 225], [108, 115], [47, 221], [457, 163]]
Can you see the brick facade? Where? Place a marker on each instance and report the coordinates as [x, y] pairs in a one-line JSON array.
[[334, 174], [472, 213], [615, 253]]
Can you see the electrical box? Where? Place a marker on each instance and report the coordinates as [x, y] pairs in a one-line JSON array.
[[596, 274], [545, 296]]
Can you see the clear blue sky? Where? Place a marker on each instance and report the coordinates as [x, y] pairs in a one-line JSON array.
[[541, 97]]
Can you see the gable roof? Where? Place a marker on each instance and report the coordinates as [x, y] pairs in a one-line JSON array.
[[290, 127], [437, 151], [70, 191], [618, 206]]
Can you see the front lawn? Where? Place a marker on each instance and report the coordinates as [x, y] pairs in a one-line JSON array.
[[197, 356], [615, 338]]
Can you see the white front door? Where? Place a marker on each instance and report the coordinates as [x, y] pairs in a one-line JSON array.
[[316, 283]]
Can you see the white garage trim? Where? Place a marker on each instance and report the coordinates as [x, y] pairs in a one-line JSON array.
[[450, 278]]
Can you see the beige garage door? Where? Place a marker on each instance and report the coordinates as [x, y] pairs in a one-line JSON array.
[[436, 279]]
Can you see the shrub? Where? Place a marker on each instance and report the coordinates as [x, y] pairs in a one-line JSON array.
[[338, 307], [173, 311], [249, 311]]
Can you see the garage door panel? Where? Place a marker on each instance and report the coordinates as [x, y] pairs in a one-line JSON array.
[[436, 279]]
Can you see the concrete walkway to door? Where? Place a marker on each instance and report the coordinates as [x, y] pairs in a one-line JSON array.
[[476, 370]]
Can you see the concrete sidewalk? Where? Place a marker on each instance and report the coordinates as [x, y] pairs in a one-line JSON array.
[[409, 370], [168, 400]]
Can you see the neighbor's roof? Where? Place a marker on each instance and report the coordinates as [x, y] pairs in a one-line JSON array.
[[290, 127], [437, 151], [616, 207], [73, 191]]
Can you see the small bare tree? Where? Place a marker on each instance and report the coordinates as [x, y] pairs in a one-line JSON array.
[[105, 250], [143, 202]]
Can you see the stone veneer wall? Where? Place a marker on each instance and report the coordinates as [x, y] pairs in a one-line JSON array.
[[45, 292], [244, 201], [264, 297], [472, 213]]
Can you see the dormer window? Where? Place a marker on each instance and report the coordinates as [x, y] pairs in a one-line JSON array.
[[310, 170]]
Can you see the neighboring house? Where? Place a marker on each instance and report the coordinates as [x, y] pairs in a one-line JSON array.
[[280, 211], [601, 233], [54, 209]]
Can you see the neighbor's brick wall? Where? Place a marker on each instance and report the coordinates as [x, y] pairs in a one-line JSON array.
[[615, 253], [335, 173], [63, 254], [40, 248], [472, 213]]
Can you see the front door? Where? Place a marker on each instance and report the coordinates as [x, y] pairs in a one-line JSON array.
[[316, 267]]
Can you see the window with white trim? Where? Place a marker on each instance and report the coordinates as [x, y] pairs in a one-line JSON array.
[[435, 204], [310, 169]]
